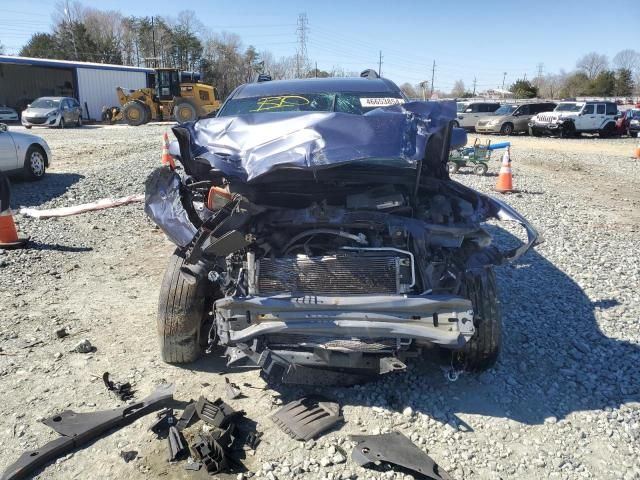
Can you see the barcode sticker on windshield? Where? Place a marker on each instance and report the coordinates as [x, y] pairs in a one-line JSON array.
[[380, 102]]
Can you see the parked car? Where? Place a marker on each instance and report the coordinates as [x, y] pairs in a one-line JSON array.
[[318, 235], [512, 118], [53, 112], [468, 118], [8, 114], [570, 119], [23, 153]]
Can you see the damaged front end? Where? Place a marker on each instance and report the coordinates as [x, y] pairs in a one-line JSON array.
[[330, 245]]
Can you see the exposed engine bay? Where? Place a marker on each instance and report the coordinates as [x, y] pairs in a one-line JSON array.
[[349, 269]]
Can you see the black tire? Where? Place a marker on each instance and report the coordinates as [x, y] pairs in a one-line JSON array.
[[61, 125], [185, 112], [481, 352], [456, 124], [480, 169], [608, 130], [568, 130], [507, 129], [135, 114], [28, 127], [452, 167], [35, 163], [79, 122], [182, 314]]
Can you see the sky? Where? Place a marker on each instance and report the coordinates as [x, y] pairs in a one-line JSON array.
[[467, 39]]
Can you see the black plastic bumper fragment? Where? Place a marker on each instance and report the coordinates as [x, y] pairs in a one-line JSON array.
[[396, 449], [79, 428], [307, 418]]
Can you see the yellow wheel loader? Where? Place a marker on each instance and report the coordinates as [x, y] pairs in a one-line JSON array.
[[184, 99]]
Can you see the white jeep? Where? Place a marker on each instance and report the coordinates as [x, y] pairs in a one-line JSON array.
[[570, 119]]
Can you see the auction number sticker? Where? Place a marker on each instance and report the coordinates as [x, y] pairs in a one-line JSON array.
[[380, 102]]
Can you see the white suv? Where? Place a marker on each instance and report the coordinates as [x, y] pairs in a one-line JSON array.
[[569, 119]]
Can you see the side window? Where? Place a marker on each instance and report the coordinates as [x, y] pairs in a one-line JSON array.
[[204, 95], [484, 108], [492, 107], [601, 109], [524, 109], [612, 109], [588, 109], [475, 107]]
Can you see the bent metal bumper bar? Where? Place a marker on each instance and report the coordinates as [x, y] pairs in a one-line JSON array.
[[442, 319]]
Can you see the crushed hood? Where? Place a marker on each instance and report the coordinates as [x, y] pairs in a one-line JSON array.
[[248, 146]]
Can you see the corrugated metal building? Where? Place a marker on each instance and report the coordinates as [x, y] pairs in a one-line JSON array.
[[23, 79]]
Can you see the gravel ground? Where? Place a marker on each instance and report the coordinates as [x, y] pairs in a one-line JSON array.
[[562, 402]]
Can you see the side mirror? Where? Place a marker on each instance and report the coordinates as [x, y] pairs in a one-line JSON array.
[[3, 127], [468, 110]]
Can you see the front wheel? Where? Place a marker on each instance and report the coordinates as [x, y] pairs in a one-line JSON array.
[[79, 122], [507, 129], [182, 314], [452, 167], [480, 169], [481, 352], [456, 124], [28, 127], [61, 124], [35, 163]]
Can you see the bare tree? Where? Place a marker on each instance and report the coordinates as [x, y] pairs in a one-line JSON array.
[[410, 90], [549, 85], [627, 59], [592, 64], [458, 89], [1, 49]]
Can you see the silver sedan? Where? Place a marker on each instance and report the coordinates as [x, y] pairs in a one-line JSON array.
[[53, 112], [23, 153]]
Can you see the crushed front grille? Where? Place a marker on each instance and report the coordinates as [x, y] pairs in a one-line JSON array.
[[342, 274]]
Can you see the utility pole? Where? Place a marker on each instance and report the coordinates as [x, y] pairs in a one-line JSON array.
[[474, 86], [539, 77], [504, 76], [423, 85], [316, 70], [153, 40], [380, 64], [433, 74], [301, 32]]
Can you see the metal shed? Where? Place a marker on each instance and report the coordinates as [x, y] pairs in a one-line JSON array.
[[23, 79]]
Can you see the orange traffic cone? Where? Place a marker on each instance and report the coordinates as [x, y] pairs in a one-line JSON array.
[[167, 159], [636, 153], [505, 180], [8, 234]]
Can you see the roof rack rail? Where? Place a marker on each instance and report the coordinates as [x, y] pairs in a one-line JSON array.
[[369, 73]]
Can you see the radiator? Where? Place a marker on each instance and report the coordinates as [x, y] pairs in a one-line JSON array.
[[352, 273]]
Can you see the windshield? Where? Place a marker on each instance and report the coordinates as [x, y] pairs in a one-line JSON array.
[[568, 107], [45, 103], [460, 107], [356, 103], [506, 110]]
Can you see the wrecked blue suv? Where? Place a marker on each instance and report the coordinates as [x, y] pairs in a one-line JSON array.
[[320, 237]]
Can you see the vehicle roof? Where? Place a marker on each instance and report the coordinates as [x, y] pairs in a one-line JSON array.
[[51, 98], [317, 85]]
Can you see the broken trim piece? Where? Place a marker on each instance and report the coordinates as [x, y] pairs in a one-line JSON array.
[[307, 418], [398, 450], [79, 428]]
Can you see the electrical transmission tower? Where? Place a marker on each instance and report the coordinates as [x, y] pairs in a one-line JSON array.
[[301, 33], [539, 77]]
